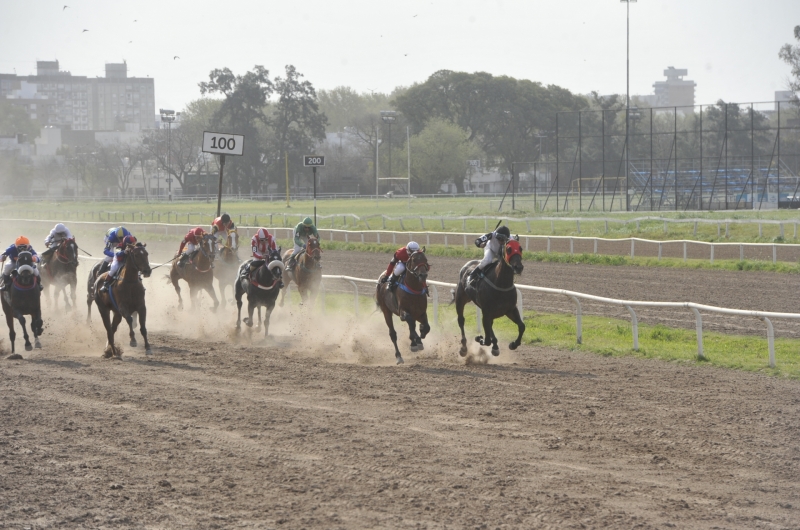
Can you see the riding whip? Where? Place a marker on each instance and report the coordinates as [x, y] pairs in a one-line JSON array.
[[166, 262], [79, 248]]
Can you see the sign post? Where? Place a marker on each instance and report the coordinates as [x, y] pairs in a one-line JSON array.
[[222, 144], [314, 161]]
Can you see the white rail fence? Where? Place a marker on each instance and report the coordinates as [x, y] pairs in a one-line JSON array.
[[786, 252], [576, 297]]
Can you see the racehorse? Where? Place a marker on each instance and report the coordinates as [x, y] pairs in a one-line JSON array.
[[495, 294], [125, 297], [197, 272], [227, 264], [262, 287], [60, 271], [307, 273], [409, 301], [24, 298]]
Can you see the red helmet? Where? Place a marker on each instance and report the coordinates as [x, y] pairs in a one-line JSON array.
[[129, 240], [263, 233], [198, 232]]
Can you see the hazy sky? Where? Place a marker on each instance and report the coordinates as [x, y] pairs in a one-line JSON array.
[[730, 47]]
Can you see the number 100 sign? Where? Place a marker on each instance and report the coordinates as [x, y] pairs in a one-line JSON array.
[[222, 143]]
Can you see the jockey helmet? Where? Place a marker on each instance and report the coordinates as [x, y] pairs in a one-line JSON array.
[[308, 222], [225, 218], [413, 246], [503, 233], [129, 240], [118, 231], [263, 234], [22, 242], [60, 228]]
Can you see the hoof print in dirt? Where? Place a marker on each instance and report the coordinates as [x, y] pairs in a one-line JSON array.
[[116, 486], [164, 484], [14, 357]]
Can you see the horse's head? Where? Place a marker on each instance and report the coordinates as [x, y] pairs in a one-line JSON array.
[[24, 272], [232, 240], [67, 251], [139, 258], [207, 246], [418, 264], [313, 250], [512, 255], [274, 255], [275, 270]]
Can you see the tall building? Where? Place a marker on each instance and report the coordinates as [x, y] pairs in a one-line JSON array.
[[57, 98], [675, 91]]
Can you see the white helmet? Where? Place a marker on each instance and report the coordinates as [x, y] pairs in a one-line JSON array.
[[413, 246], [60, 228]]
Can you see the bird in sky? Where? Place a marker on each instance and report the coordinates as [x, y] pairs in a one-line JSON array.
[[63, 8], [415, 16], [176, 57], [136, 21], [84, 31], [130, 42]]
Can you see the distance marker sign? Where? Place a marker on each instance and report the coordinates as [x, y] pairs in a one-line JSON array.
[[313, 161], [223, 143]]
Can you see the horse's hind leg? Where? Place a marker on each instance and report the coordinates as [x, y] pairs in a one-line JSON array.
[[516, 318], [173, 277], [387, 315], [461, 301], [213, 294], [11, 333], [37, 328], [142, 311], [488, 321]]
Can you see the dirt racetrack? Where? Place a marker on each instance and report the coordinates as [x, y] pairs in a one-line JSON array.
[[317, 428]]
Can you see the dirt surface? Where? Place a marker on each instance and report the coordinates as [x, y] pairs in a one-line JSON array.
[[316, 428]]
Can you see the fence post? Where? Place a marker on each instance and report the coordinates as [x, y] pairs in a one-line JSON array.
[[548, 244], [346, 236], [659, 250], [770, 341], [698, 319], [528, 225], [383, 218], [442, 221], [759, 230], [322, 298], [712, 253], [355, 294], [519, 302], [571, 250], [422, 223], [633, 247], [445, 241], [379, 237], [741, 252], [435, 305], [774, 253], [634, 327], [465, 241], [684, 251], [362, 237], [428, 238], [718, 229], [595, 245], [578, 320]]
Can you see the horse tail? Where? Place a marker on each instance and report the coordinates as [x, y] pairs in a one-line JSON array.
[[452, 297]]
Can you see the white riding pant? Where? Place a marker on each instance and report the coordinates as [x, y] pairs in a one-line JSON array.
[[190, 247], [115, 265], [107, 259], [297, 250], [9, 265], [488, 257], [399, 269]]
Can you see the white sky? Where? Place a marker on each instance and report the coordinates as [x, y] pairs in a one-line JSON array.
[[730, 47]]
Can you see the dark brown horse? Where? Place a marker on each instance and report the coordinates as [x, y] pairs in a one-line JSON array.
[[124, 298], [307, 273], [262, 287], [409, 302], [24, 298], [61, 270], [495, 294], [226, 266], [198, 272]]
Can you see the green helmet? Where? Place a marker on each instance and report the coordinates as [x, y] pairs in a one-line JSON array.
[[308, 222]]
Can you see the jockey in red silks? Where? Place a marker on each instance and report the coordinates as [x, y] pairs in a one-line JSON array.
[[398, 264], [263, 244], [191, 242], [219, 229]]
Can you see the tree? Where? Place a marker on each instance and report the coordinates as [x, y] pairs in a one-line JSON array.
[[119, 160], [50, 172], [14, 120], [439, 154], [791, 56], [176, 151]]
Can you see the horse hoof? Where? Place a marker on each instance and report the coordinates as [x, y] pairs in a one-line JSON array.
[[420, 347], [479, 339], [400, 360], [148, 351], [414, 348], [37, 345], [463, 351], [512, 346], [495, 351], [133, 343], [28, 347], [248, 322], [14, 357]]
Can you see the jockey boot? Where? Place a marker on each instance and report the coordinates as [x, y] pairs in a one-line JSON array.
[[474, 275], [183, 260], [6, 283], [393, 283], [292, 262], [106, 284]]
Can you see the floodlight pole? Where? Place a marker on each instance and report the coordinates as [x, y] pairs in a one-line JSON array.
[[408, 150], [627, 101]]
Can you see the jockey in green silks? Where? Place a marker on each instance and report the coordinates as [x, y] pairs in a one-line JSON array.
[[302, 231]]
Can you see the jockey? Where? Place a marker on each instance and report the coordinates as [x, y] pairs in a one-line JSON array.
[[21, 244], [302, 231], [113, 240], [58, 234], [116, 263], [398, 264], [262, 245], [493, 247], [220, 227], [191, 241]]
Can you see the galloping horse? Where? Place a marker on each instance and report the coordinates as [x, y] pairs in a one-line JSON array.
[[125, 297], [262, 288], [60, 271], [198, 272], [24, 298], [409, 302], [227, 264], [496, 295], [307, 273]]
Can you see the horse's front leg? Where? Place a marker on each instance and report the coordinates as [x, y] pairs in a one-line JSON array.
[[238, 292], [11, 333], [142, 312], [490, 338], [516, 318], [251, 307], [416, 342], [213, 294], [424, 327], [113, 331], [267, 312], [131, 334], [37, 327], [73, 292], [28, 345]]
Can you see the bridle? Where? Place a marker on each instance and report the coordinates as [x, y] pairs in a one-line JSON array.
[[514, 251], [316, 252], [209, 255], [417, 269], [63, 257], [131, 250]]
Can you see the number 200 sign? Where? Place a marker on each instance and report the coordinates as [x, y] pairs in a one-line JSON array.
[[222, 143], [313, 161]]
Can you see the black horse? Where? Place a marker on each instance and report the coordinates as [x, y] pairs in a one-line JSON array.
[[262, 287], [495, 294], [24, 298], [61, 270]]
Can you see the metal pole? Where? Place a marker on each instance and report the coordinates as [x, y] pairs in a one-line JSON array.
[[726, 156], [219, 191], [513, 188], [627, 98], [408, 149], [377, 161], [169, 157], [314, 169], [286, 159]]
